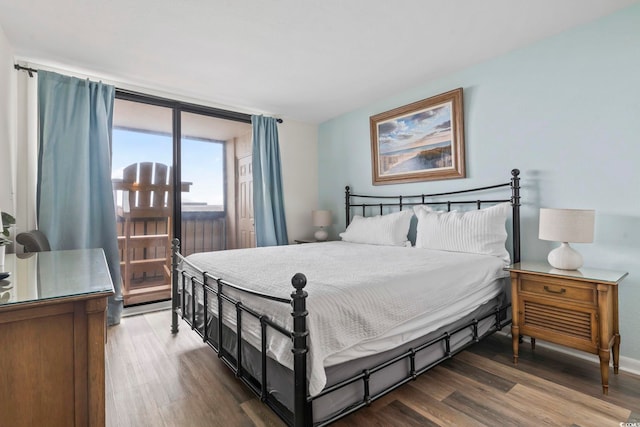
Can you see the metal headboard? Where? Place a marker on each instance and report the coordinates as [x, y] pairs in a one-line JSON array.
[[427, 199]]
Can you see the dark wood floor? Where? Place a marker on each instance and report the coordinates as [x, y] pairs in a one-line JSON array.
[[157, 379]]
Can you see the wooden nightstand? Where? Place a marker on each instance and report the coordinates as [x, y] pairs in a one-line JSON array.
[[577, 309]]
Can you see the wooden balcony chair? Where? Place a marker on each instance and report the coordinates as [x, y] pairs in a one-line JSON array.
[[145, 210]]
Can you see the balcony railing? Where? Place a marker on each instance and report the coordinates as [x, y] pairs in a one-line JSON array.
[[202, 231]]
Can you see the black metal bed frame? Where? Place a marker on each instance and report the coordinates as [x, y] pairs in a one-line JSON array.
[[184, 285]]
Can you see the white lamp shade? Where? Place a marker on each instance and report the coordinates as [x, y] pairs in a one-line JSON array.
[[567, 225], [321, 218]]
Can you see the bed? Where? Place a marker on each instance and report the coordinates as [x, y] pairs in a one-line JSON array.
[[368, 315]]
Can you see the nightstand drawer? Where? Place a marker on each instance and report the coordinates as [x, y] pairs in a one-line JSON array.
[[558, 289]]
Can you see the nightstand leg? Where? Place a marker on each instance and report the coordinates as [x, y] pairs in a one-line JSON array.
[[616, 331], [515, 342], [616, 353], [533, 343], [606, 333], [604, 370]]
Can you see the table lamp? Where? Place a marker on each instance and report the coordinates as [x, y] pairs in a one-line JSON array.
[[566, 226], [321, 219]]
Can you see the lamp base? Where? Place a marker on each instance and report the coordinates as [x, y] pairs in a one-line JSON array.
[[321, 235], [565, 258]]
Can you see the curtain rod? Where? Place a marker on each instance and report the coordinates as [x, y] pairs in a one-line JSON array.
[[30, 71], [27, 69]]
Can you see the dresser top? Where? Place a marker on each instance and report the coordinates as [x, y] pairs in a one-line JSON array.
[[54, 275], [592, 274]]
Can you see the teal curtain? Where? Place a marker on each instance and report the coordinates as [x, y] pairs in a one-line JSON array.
[[74, 195], [268, 199]]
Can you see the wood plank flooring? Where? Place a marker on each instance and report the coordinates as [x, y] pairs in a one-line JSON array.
[[158, 379]]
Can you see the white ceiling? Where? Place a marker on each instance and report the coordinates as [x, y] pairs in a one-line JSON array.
[[306, 60]]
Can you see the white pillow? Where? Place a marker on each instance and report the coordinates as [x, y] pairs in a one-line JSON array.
[[477, 231], [389, 230]]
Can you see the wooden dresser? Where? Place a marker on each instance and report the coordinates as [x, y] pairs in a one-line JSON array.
[[577, 309], [52, 337]]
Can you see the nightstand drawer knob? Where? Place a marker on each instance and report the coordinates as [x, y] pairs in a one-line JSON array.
[[561, 291]]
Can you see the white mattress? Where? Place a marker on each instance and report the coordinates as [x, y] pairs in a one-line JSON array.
[[363, 299]]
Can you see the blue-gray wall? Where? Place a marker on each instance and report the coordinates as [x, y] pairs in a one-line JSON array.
[[566, 112]]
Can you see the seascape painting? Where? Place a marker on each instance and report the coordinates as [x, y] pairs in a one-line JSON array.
[[416, 142], [420, 141]]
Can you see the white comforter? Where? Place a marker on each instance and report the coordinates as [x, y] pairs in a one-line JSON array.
[[362, 298]]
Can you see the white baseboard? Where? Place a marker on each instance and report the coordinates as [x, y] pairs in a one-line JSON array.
[[630, 365], [627, 364]]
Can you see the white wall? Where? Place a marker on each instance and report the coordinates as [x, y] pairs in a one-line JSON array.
[[7, 125], [299, 157]]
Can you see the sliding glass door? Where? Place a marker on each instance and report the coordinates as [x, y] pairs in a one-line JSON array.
[[158, 145], [207, 149], [142, 159], [203, 207]]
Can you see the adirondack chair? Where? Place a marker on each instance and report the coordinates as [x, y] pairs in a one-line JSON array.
[[144, 210]]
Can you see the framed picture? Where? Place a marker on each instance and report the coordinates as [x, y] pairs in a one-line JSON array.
[[421, 141]]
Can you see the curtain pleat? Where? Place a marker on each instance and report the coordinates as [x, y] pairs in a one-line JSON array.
[[75, 194], [268, 198]]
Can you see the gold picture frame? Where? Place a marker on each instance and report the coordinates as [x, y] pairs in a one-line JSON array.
[[421, 141]]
